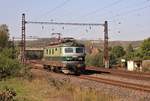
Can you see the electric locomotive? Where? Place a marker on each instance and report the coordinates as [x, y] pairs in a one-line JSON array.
[[66, 55]]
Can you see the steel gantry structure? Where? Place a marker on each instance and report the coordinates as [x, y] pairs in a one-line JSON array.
[[105, 25]]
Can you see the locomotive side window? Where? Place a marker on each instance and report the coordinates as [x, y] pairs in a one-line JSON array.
[[60, 50], [49, 51], [52, 51], [68, 50], [79, 50], [46, 51]]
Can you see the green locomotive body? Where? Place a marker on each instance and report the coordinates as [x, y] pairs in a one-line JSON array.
[[67, 56]]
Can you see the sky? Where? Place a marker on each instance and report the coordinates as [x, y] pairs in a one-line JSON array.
[[127, 19]]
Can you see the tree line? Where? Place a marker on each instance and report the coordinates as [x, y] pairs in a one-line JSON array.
[[117, 53]]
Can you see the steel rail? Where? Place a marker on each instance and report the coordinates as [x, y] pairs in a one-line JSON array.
[[128, 74], [118, 83]]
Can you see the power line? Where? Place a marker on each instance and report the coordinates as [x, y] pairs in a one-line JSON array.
[[130, 10], [139, 3], [55, 8], [133, 10], [105, 7]]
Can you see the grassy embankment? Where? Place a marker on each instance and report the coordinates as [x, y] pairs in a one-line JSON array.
[[52, 90]]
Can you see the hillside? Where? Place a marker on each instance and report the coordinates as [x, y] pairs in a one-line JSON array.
[[41, 42]]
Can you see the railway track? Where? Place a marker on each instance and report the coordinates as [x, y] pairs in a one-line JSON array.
[[119, 83], [122, 73], [127, 74]]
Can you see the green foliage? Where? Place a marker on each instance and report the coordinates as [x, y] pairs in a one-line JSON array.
[[4, 35], [118, 51], [8, 52], [129, 52], [143, 52], [129, 49], [112, 60], [8, 67], [145, 49], [94, 60]]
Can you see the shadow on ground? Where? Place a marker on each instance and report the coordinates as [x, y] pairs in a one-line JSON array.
[[90, 72]]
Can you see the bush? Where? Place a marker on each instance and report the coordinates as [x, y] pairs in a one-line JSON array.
[[112, 60], [146, 65], [7, 52], [7, 95], [94, 60], [8, 67]]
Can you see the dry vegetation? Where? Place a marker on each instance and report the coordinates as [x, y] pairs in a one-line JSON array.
[[50, 89]]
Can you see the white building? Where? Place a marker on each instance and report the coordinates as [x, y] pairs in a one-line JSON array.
[[134, 65]]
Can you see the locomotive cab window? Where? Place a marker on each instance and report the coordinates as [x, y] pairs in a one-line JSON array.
[[46, 51], [52, 51], [49, 51], [68, 50], [79, 50]]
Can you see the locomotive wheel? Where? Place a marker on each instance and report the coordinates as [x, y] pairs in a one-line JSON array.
[[65, 71], [45, 66], [57, 69], [52, 68]]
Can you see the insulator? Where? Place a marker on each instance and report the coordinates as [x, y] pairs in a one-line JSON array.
[[86, 30], [90, 27], [119, 23], [42, 27]]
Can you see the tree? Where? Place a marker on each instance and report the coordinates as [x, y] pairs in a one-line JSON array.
[[4, 35], [129, 52], [112, 60], [129, 48], [118, 51], [145, 48]]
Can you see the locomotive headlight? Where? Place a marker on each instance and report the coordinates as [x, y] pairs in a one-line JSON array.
[[69, 58], [78, 65], [80, 58]]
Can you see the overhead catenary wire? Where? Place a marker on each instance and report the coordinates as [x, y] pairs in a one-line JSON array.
[[138, 4], [49, 12], [62, 23], [132, 11], [102, 8]]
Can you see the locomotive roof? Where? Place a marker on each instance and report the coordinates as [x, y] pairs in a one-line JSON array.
[[66, 43]]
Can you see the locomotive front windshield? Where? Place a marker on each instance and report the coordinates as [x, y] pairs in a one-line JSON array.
[[74, 50], [79, 50], [68, 50]]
